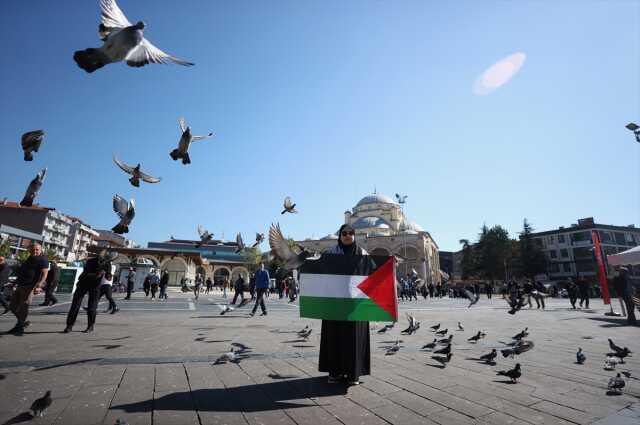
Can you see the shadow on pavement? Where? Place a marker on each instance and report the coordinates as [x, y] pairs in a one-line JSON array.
[[22, 417], [67, 364], [610, 322], [249, 398]]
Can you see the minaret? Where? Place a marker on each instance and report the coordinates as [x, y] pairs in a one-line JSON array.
[[347, 217]]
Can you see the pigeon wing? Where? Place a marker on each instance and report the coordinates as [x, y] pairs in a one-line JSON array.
[[182, 124], [32, 139], [131, 211], [287, 203], [124, 167], [111, 15], [146, 53], [279, 244], [201, 230], [120, 206], [149, 179], [198, 138]]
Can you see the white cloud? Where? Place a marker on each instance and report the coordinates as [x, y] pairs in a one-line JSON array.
[[499, 73]]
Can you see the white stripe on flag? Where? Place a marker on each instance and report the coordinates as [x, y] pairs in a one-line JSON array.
[[331, 286]]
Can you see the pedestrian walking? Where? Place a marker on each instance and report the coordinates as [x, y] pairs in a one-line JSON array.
[[583, 290], [624, 289], [131, 278], [88, 283], [262, 286], [106, 289], [225, 287], [489, 289], [154, 282], [252, 286], [53, 278], [146, 285], [209, 285], [344, 346], [164, 283], [4, 279], [572, 292], [539, 294], [196, 286], [32, 276], [239, 290]]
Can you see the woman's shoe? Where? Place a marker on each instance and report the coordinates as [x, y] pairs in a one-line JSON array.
[[356, 382]]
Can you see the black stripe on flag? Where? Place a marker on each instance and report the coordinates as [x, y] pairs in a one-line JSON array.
[[346, 265]]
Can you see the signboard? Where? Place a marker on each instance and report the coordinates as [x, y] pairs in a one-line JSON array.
[[68, 278]]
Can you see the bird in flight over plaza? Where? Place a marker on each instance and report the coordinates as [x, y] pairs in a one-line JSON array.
[[136, 173], [31, 142], [289, 206], [122, 41], [33, 189], [182, 152], [205, 236], [259, 239], [473, 298], [293, 257], [126, 212], [240, 243]]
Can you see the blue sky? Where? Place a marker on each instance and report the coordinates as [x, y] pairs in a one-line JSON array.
[[324, 101]]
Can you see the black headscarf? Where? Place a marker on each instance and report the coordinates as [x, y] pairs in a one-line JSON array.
[[347, 249]]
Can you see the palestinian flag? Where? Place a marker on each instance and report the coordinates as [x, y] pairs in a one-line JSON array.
[[352, 288]]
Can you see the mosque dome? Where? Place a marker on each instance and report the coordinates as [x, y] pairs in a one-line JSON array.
[[370, 222], [412, 226], [376, 198]]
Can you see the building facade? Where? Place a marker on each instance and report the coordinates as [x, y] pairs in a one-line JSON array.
[[107, 238], [81, 237], [569, 250], [383, 229]]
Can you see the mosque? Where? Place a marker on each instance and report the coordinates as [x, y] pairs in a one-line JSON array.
[[383, 229]]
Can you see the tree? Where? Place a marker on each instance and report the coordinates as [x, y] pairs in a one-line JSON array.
[[5, 248], [532, 259], [493, 248], [52, 255], [468, 260], [23, 255], [254, 258]]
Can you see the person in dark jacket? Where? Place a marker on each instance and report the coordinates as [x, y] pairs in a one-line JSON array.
[[4, 279], [572, 292], [489, 288], [262, 286], [164, 283], [88, 283], [238, 287], [131, 279], [583, 290], [53, 278], [146, 285], [345, 350], [624, 290]]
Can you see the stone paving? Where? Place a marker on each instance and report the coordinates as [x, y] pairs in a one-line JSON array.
[[152, 363]]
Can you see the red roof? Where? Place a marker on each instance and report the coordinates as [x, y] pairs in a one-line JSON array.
[[12, 204]]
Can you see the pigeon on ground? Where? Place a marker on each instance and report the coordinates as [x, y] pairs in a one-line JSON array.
[[182, 152], [443, 360], [386, 328], [227, 357], [521, 335], [621, 354], [516, 303], [31, 142], [289, 206], [580, 357], [121, 421], [490, 358], [122, 41], [239, 243], [303, 330], [33, 189], [610, 363], [136, 173], [306, 334], [446, 341], [393, 349], [40, 405], [513, 374], [442, 332], [445, 350], [475, 338], [482, 334], [627, 374], [413, 325], [430, 346], [259, 239], [224, 309], [616, 384], [473, 298], [520, 347], [240, 347], [614, 347], [205, 236], [293, 257], [435, 327], [460, 328], [125, 211]]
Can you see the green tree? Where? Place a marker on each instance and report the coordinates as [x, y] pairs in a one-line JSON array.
[[493, 249], [468, 263], [51, 255], [254, 258], [532, 260], [5, 248], [23, 255]]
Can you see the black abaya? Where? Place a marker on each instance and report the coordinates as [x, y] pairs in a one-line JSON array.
[[344, 349]]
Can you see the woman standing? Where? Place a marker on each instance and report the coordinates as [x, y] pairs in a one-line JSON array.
[[344, 345]]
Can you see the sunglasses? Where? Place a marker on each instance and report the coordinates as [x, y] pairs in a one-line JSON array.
[[347, 233]]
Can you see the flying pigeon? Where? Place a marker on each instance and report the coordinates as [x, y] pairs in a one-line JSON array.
[[386, 328], [620, 354], [435, 327], [259, 239], [125, 211], [514, 373], [227, 357], [401, 199], [430, 346], [516, 303], [475, 338], [616, 384], [289, 206], [580, 357], [490, 358], [292, 257], [393, 349], [182, 152], [460, 328], [446, 341], [443, 360], [473, 298], [413, 325], [33, 189], [442, 332], [122, 41], [31, 142], [136, 173], [613, 346], [239, 243], [205, 236], [40, 405], [446, 350], [521, 335], [224, 309], [520, 347]]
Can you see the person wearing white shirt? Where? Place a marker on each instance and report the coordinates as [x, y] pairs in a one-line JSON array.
[[106, 289]]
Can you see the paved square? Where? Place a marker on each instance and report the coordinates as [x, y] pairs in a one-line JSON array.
[[151, 363]]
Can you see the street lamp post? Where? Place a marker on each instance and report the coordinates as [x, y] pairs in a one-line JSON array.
[[402, 199], [636, 130]]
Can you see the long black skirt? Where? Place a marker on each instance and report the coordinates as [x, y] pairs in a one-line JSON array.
[[344, 349]]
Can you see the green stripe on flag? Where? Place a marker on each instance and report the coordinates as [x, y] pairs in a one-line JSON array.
[[351, 309]]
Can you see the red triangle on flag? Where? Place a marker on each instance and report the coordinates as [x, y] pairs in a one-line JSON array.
[[380, 287]]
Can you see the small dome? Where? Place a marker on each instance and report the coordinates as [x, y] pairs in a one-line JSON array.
[[375, 199], [369, 222], [330, 236], [411, 225]]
